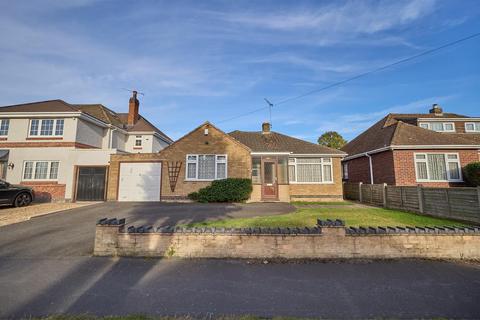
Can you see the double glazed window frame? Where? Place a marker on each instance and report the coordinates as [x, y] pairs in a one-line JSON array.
[[58, 128], [34, 167], [447, 161], [428, 125], [325, 161], [189, 160], [138, 139], [4, 127], [475, 125]]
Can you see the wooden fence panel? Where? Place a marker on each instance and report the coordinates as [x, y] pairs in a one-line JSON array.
[[436, 202], [394, 197], [410, 199], [351, 191], [457, 203]]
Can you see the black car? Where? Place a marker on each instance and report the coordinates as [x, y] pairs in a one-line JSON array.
[[15, 195]]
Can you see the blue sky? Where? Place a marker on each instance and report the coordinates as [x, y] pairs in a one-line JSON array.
[[214, 60]]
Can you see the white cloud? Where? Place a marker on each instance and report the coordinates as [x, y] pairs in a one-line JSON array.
[[352, 16]]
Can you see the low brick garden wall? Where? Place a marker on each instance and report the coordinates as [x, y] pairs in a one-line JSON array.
[[329, 240]]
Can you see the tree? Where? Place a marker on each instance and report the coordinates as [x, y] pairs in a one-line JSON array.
[[332, 139]]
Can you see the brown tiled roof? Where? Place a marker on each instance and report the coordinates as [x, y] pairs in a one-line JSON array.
[[277, 142], [142, 124], [41, 106], [102, 113], [389, 131], [97, 111]]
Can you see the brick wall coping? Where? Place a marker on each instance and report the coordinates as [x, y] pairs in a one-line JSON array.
[[317, 230]]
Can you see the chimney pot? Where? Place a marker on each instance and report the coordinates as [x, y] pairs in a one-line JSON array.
[[133, 106], [436, 110], [266, 127]]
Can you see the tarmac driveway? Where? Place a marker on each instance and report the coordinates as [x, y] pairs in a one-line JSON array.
[[72, 233]]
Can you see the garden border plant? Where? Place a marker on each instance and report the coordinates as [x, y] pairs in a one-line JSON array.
[[225, 190], [472, 173]]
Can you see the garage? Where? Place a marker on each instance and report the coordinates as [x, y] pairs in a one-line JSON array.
[[91, 182], [140, 181]]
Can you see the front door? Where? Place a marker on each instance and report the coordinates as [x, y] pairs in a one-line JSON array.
[[269, 180], [91, 183]]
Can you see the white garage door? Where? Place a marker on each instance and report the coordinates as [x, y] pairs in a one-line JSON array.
[[140, 181]]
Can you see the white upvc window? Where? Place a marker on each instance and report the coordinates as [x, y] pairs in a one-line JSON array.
[[206, 167], [438, 126], [472, 126], [345, 171], [4, 125], [310, 170], [46, 127], [40, 170], [438, 167]]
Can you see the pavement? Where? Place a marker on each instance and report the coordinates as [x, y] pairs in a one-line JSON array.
[[46, 268], [11, 215]]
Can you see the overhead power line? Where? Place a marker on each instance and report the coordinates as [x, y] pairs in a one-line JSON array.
[[361, 75]]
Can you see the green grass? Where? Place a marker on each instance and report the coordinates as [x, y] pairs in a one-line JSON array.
[[322, 203], [353, 216]]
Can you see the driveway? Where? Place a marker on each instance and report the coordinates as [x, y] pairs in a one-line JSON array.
[[46, 268], [72, 233]]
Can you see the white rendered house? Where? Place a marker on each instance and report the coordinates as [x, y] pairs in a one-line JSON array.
[[63, 150]]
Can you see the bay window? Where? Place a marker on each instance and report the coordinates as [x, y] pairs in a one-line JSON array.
[[310, 170], [206, 167], [437, 167], [40, 170], [46, 127]]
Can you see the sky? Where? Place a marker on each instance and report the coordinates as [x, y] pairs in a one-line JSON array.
[[217, 60]]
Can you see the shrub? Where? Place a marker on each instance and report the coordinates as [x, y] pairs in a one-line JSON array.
[[472, 173], [226, 190]]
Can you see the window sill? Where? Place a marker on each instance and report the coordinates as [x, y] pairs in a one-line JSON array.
[[39, 182], [312, 182], [44, 138], [448, 181], [201, 180]]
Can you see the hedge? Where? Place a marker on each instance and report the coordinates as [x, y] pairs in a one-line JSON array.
[[472, 173], [226, 190]]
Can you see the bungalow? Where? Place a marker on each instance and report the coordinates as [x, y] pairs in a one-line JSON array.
[[282, 168], [427, 149]]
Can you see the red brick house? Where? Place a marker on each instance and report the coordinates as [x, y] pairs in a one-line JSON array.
[[414, 149]]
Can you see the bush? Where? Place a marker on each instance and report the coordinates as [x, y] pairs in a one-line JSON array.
[[472, 173], [226, 190]]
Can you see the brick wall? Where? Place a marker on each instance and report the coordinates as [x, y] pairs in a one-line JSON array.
[[397, 167], [319, 192], [404, 164], [320, 243], [358, 170], [216, 142], [47, 191]]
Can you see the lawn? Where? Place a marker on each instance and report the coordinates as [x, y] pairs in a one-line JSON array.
[[352, 215]]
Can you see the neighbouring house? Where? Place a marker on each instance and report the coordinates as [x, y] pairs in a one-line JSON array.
[[63, 150], [414, 149], [282, 168]]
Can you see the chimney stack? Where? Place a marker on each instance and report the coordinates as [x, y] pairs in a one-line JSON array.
[[436, 110], [133, 109], [266, 128]]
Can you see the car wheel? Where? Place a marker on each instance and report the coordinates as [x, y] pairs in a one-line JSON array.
[[23, 199]]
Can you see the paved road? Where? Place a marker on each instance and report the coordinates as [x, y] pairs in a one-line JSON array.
[[71, 233], [44, 270]]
